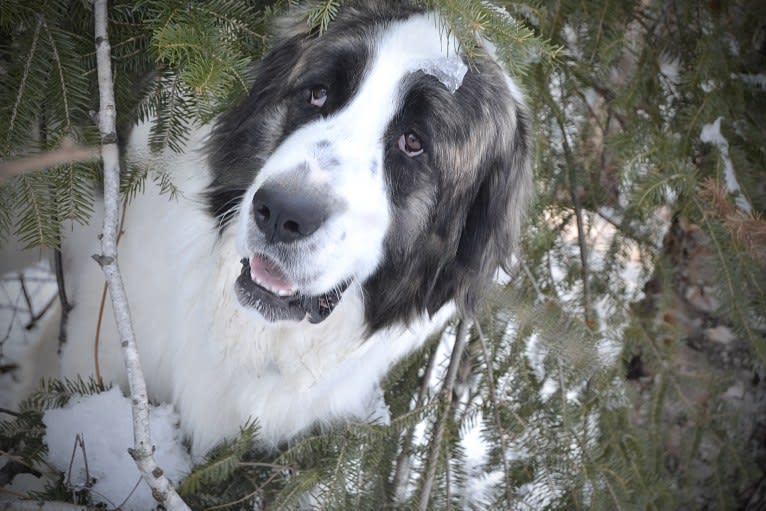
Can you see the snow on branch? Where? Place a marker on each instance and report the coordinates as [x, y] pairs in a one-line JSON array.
[[142, 451], [711, 133]]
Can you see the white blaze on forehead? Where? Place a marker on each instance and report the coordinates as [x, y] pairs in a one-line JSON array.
[[416, 44]]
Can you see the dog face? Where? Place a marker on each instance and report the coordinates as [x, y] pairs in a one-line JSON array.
[[355, 161]]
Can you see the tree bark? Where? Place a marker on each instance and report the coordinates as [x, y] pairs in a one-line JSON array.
[[142, 451]]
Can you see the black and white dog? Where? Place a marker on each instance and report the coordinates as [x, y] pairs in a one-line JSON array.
[[372, 178]]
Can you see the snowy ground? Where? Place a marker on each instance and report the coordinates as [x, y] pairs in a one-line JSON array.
[[88, 439], [27, 308]]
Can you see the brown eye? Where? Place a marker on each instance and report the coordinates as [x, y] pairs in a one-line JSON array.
[[318, 96], [410, 144]]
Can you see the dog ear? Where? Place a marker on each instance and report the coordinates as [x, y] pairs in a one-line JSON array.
[[493, 221], [235, 126], [245, 135]]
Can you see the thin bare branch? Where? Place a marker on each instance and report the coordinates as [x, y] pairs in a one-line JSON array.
[[142, 451], [402, 470], [99, 320], [37, 316], [461, 339], [48, 159], [577, 201], [66, 306]]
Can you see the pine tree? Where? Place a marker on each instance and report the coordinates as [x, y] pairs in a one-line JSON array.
[[622, 364]]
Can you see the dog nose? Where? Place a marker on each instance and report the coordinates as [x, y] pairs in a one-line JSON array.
[[286, 215]]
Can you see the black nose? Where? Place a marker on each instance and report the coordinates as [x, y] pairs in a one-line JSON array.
[[286, 215]]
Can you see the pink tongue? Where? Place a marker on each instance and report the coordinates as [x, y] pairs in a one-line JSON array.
[[268, 274]]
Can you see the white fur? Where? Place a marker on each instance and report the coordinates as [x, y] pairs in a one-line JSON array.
[[217, 362]]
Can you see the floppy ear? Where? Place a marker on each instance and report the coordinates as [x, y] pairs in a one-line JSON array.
[[235, 126], [244, 136], [493, 222]]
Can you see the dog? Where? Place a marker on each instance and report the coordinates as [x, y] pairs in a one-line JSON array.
[[372, 182]]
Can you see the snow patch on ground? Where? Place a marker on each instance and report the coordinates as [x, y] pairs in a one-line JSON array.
[[104, 425], [28, 318]]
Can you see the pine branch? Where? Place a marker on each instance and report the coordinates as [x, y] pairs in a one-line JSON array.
[[748, 228], [461, 339], [23, 85], [574, 193], [34, 226], [143, 450], [223, 462], [62, 82], [402, 466], [494, 403], [319, 17]]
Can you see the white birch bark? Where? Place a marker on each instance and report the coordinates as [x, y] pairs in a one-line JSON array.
[[142, 451]]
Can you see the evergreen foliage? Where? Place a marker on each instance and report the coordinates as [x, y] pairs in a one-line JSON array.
[[178, 62], [576, 380]]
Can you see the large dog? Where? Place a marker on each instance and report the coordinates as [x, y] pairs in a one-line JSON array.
[[372, 178]]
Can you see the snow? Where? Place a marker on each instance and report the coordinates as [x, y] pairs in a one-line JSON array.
[[711, 133], [549, 387], [379, 412], [670, 74], [480, 484], [573, 43], [449, 71], [21, 343], [535, 352], [103, 423], [756, 80], [708, 86]]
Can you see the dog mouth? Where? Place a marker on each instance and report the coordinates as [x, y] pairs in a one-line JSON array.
[[264, 286]]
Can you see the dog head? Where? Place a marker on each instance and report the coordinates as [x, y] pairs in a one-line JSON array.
[[376, 155]]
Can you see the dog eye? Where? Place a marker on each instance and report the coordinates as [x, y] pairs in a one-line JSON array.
[[410, 144], [317, 96]]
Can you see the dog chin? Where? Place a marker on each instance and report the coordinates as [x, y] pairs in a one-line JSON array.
[[263, 287]]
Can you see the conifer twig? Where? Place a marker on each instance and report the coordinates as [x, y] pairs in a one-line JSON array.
[[461, 339], [577, 201], [496, 412], [142, 451], [401, 470]]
